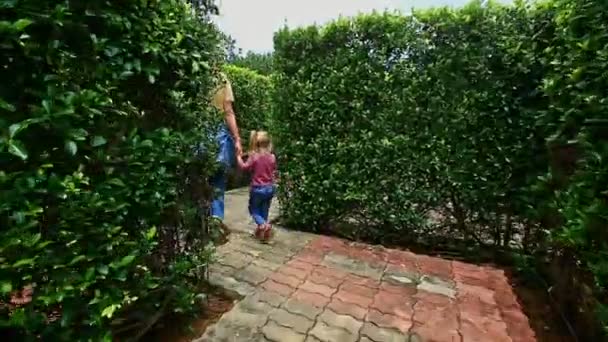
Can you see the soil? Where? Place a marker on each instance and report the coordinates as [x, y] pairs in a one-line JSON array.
[[181, 329], [544, 319]]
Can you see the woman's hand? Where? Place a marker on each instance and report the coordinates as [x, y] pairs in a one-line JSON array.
[[238, 147]]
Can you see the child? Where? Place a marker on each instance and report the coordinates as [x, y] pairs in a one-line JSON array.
[[262, 164]]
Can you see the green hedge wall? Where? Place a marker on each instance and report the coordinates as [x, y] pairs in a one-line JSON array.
[[252, 93], [577, 88], [101, 105], [481, 124], [385, 118]]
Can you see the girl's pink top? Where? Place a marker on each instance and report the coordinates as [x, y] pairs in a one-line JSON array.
[[262, 166]]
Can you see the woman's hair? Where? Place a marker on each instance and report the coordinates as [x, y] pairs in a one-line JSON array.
[[259, 141]]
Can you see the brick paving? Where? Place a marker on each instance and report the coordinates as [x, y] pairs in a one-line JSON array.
[[304, 287]]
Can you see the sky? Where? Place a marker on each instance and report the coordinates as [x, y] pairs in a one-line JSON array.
[[253, 22]]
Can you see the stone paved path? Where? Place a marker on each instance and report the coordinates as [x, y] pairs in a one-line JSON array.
[[305, 287]]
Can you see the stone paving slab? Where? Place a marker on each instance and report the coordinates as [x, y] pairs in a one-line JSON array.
[[305, 287]]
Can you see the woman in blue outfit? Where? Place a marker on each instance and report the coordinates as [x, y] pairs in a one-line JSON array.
[[229, 144]]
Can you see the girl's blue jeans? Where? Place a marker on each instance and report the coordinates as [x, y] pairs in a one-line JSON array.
[[260, 199]]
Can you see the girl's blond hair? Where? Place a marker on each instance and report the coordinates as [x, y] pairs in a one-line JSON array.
[[259, 142]]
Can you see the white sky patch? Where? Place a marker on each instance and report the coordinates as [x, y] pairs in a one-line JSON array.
[[253, 22]]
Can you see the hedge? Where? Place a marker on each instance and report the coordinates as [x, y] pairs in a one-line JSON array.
[[252, 98], [387, 117], [100, 193], [435, 127], [252, 92], [259, 62], [577, 89]]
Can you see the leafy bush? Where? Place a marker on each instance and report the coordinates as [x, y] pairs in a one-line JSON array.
[[386, 118], [484, 123], [577, 87], [99, 191], [252, 98], [259, 62], [578, 90]]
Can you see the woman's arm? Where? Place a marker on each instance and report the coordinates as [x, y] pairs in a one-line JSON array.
[[230, 118]]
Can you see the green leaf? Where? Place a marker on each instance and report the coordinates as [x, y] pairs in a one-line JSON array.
[[19, 217], [70, 147], [126, 74], [109, 310], [23, 262], [108, 337], [125, 261], [14, 129], [5, 287], [8, 3], [77, 260], [98, 141], [6, 106], [46, 104], [117, 182], [34, 239], [78, 134], [18, 317], [103, 269], [21, 24], [121, 276], [16, 148], [44, 244], [151, 233], [90, 274]]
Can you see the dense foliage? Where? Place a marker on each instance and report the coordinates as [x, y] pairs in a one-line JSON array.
[[398, 116], [260, 62], [577, 88], [451, 124], [252, 93], [101, 103]]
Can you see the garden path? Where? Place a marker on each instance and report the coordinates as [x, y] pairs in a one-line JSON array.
[[306, 287]]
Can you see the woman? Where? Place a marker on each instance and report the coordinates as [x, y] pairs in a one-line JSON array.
[[229, 142]]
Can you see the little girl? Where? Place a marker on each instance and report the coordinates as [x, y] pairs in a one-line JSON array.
[[262, 164]]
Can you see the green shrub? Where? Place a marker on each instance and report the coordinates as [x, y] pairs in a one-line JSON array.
[[386, 117], [252, 98], [443, 125], [577, 87], [99, 190], [259, 62]]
